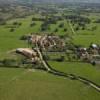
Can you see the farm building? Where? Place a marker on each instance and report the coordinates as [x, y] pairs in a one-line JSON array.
[[46, 41], [29, 53]]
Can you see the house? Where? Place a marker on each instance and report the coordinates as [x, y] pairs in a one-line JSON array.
[[95, 59], [29, 54], [46, 41]]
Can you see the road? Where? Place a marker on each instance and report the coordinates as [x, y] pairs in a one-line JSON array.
[[65, 75]]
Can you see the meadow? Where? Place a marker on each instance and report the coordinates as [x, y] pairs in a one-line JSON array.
[[24, 84]]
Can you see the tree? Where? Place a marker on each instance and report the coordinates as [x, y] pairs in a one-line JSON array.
[[61, 59], [83, 28], [77, 28], [12, 30], [15, 23], [56, 30], [32, 24], [43, 28], [33, 19], [19, 24], [61, 25], [65, 29]]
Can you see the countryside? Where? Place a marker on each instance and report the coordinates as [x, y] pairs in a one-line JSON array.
[[49, 50]]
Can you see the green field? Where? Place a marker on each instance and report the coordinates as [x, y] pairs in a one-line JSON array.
[[80, 69], [23, 84]]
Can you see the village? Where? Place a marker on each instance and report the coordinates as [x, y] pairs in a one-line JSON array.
[[54, 45], [49, 50], [47, 43]]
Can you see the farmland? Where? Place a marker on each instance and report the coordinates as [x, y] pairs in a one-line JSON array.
[[85, 37], [29, 84], [23, 84]]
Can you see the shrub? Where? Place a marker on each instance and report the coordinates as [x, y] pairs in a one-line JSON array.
[[65, 29], [61, 59], [9, 62], [32, 24], [15, 23], [19, 24], [56, 30], [61, 25], [12, 30]]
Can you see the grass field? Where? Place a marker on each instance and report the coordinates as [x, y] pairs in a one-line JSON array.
[[22, 84], [87, 36], [80, 69]]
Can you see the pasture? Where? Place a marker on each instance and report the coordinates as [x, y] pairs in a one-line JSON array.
[[25, 84]]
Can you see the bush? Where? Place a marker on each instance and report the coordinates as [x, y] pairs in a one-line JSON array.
[[56, 30], [12, 30], [23, 37], [43, 28], [9, 63], [93, 63], [77, 28], [32, 24], [61, 59], [65, 29], [19, 24], [15, 23], [61, 25]]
